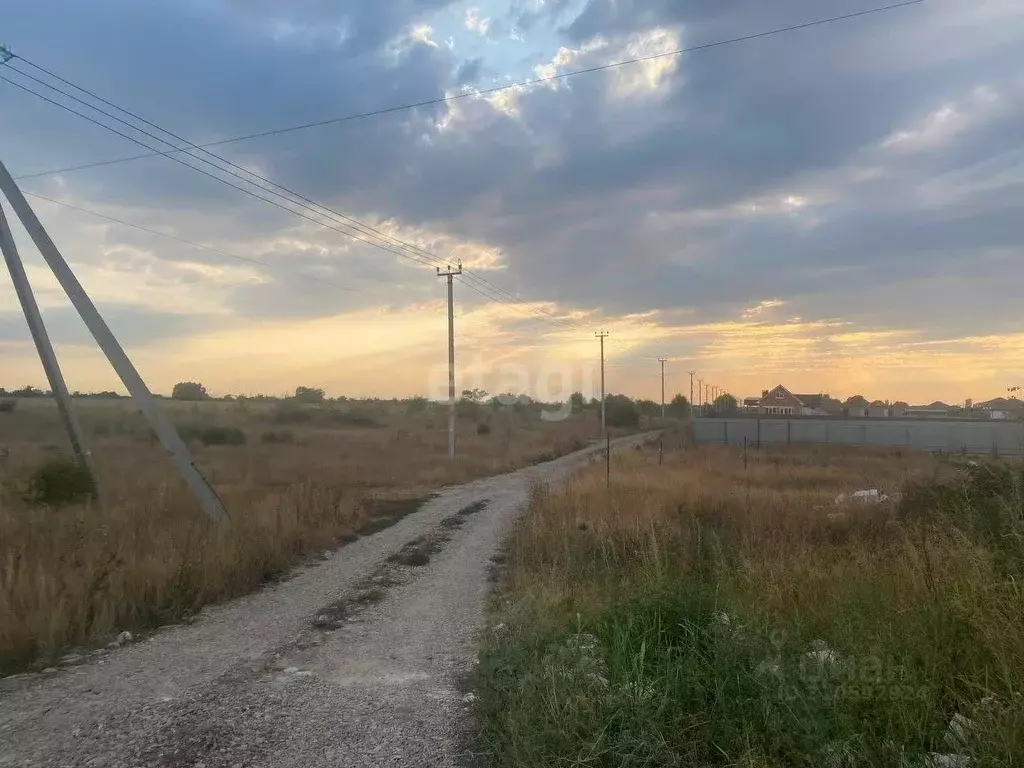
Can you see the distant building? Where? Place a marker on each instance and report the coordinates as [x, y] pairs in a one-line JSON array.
[[898, 409], [780, 402], [878, 410], [751, 403], [936, 410], [819, 405], [856, 407], [1001, 409]]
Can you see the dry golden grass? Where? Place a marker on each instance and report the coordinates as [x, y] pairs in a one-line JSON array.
[[920, 600], [145, 555]]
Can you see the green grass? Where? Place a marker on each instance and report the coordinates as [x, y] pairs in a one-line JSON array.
[[678, 623]]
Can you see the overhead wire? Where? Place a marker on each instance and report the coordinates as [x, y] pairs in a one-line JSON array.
[[394, 245], [184, 241], [506, 87], [404, 249]]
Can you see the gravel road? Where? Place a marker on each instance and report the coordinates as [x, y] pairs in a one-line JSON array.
[[354, 661]]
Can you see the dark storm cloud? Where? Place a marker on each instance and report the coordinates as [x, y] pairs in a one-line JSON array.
[[599, 200]]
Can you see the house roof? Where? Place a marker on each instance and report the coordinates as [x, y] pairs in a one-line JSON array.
[[764, 400], [900, 404], [857, 400], [1001, 404], [937, 405]]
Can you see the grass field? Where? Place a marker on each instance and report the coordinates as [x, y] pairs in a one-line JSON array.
[[708, 613], [297, 480]]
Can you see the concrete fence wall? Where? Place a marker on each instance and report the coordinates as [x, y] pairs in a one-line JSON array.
[[1006, 438]]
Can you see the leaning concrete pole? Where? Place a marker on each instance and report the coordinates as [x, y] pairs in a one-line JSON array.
[[130, 377], [47, 356]]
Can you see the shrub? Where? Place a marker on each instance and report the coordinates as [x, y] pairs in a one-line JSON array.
[[620, 411], [221, 436], [212, 435], [8, 406], [60, 481], [483, 428], [278, 436]]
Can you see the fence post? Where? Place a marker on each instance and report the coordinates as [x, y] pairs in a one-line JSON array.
[[744, 452], [759, 434], [789, 432], [725, 430]]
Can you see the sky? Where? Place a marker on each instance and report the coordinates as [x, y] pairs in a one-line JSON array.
[[835, 208]]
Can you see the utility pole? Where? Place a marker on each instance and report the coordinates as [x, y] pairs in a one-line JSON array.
[[662, 360], [602, 335], [450, 273], [692, 374], [47, 356], [115, 354], [700, 397]]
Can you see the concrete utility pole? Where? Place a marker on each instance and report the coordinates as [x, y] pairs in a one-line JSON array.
[[449, 274], [602, 335], [47, 356], [662, 360], [129, 376]]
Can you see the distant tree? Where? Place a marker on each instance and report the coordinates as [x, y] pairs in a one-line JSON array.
[[649, 407], [577, 401], [309, 395], [725, 405], [474, 395], [189, 390], [620, 411], [28, 391], [679, 407]]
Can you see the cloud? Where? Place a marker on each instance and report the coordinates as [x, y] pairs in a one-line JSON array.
[[866, 173]]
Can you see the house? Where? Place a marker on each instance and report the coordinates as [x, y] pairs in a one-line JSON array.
[[751, 403], [898, 409], [856, 407], [780, 402], [1001, 409], [878, 410], [936, 410], [819, 405]]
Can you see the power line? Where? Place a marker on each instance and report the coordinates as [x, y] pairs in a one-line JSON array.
[[183, 241], [416, 253], [500, 88]]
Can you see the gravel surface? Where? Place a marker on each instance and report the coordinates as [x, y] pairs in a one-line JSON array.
[[354, 661]]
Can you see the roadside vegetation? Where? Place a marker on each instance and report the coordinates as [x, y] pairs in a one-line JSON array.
[[713, 611], [298, 475]]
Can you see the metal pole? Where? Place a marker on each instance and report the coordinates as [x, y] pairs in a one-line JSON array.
[[662, 361], [692, 373], [602, 335], [129, 376], [607, 460], [450, 274], [47, 356]]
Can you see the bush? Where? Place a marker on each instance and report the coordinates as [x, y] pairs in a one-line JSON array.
[[483, 428], [222, 436], [212, 435], [620, 411], [278, 436], [60, 481], [8, 406]]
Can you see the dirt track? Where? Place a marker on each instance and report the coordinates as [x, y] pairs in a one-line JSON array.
[[354, 661]]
